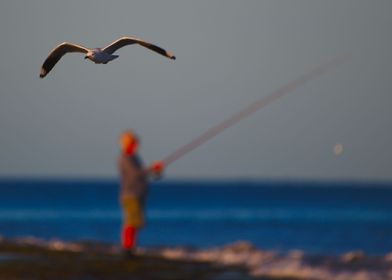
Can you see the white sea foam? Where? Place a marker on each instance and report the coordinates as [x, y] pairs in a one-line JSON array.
[[294, 264]]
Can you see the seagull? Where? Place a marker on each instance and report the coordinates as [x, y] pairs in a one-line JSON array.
[[97, 55]]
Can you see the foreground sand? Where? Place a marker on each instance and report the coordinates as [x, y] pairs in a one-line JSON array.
[[31, 258]]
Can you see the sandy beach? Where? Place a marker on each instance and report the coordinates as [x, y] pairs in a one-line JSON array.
[[31, 258]]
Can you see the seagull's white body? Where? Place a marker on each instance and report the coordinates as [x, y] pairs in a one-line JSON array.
[[98, 56]]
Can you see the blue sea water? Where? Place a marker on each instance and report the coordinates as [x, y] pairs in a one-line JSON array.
[[316, 217]]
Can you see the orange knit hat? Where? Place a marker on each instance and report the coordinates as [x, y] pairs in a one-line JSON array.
[[129, 143]]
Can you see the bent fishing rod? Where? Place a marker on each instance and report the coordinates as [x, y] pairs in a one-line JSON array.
[[245, 112]]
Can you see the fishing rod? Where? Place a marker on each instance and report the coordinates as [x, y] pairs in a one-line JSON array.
[[253, 107]]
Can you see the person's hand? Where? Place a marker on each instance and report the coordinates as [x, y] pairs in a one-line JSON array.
[[156, 169]]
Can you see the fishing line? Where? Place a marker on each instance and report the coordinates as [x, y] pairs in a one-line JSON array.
[[253, 107]]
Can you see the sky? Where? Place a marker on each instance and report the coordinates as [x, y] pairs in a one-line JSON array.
[[229, 54]]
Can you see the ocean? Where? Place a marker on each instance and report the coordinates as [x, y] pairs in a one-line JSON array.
[[325, 218]]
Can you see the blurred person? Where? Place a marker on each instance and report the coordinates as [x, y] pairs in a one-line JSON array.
[[133, 188]]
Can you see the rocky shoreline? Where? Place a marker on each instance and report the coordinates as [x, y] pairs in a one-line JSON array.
[[31, 258]]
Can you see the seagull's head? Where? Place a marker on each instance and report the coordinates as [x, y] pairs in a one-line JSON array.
[[89, 55]]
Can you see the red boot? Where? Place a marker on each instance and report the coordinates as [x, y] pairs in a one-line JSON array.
[[128, 238]]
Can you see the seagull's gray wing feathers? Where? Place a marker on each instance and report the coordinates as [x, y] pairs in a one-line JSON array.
[[56, 54], [124, 41]]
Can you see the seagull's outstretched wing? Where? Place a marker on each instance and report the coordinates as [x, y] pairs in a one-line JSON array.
[[132, 40], [57, 53]]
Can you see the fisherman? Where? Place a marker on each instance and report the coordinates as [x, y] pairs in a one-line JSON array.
[[133, 188]]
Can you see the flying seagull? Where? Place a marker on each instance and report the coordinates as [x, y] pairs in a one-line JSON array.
[[99, 56]]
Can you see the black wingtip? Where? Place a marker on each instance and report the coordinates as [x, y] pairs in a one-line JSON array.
[[170, 55], [43, 73]]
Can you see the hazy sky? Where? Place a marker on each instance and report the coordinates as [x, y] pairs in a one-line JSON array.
[[229, 54]]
